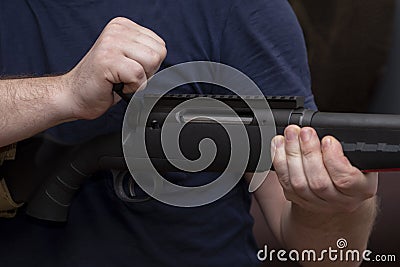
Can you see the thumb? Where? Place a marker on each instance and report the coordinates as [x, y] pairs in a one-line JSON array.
[[347, 179]]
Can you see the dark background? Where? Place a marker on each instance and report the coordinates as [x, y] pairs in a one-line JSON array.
[[354, 56]]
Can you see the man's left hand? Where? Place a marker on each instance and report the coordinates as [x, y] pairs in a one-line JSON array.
[[316, 175]]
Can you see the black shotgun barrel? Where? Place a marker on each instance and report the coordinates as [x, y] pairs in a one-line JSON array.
[[370, 141]]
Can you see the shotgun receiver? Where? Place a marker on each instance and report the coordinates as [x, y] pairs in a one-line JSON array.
[[370, 141]]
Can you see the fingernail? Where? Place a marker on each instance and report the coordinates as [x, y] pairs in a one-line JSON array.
[[305, 135], [327, 142], [290, 135], [278, 141]]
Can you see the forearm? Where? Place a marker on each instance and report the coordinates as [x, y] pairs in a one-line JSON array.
[[298, 229], [302, 230], [322, 196], [30, 105], [125, 52]]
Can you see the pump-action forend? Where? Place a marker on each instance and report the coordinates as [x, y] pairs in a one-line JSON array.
[[371, 142]]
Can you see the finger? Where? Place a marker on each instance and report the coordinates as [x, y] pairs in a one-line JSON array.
[[298, 180], [317, 176], [127, 36], [149, 58], [278, 155], [134, 26], [346, 178], [281, 168], [134, 36], [133, 43], [297, 176], [161, 50], [129, 72], [152, 34], [279, 162]]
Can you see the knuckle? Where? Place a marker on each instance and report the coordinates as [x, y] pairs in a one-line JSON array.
[[308, 153], [330, 162], [138, 74], [293, 153], [113, 26], [154, 57], [104, 55], [346, 180], [163, 52], [319, 185], [285, 182], [138, 35], [299, 185], [354, 172], [101, 58], [163, 44], [107, 40], [279, 158], [344, 183], [280, 164], [119, 20]]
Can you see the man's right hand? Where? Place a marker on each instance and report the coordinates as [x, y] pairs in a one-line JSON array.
[[124, 52]]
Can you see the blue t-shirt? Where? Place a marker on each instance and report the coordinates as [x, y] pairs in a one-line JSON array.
[[37, 37]]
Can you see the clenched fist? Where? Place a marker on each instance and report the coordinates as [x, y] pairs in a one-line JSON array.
[[124, 52]]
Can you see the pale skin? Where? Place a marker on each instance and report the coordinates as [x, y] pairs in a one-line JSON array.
[[124, 52], [314, 197]]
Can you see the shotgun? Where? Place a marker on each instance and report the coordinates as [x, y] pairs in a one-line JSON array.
[[371, 142]]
